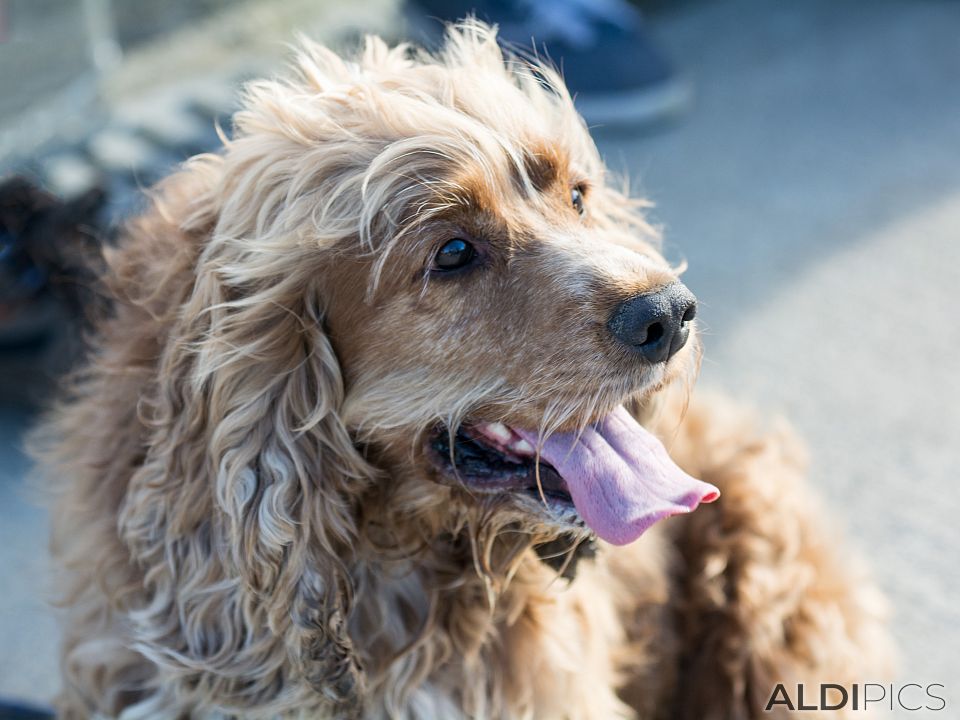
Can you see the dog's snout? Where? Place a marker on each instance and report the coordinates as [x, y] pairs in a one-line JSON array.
[[655, 324]]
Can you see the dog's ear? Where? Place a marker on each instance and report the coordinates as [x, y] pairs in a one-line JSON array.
[[242, 515]]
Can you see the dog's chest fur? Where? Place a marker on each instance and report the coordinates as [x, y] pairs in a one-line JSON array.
[[544, 646]]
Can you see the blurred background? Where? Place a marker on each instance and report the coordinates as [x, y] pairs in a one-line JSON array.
[[804, 158]]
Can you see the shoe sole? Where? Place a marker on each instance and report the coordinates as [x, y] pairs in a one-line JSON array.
[[646, 106]]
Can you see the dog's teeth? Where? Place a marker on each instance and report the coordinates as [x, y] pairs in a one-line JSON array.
[[522, 447], [499, 431]]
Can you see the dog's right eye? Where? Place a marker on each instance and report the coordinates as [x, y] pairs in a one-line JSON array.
[[455, 254]]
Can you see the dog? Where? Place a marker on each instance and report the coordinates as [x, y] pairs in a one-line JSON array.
[[378, 424]]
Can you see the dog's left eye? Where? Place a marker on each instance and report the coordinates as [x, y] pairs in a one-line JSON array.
[[455, 254], [576, 199]]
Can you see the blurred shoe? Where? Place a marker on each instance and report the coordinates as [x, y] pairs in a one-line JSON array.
[[611, 65], [48, 251], [26, 313], [23, 712]]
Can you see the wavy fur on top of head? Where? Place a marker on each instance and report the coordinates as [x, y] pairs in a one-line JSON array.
[[245, 518]]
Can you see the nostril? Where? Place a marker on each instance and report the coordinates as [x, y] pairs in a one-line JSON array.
[[654, 333], [690, 313]]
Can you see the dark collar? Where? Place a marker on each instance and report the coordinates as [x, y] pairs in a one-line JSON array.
[[559, 555]]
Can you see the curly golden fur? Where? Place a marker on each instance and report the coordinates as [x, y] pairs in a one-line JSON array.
[[245, 522]]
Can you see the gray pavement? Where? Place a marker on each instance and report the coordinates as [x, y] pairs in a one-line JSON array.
[[28, 660], [814, 189]]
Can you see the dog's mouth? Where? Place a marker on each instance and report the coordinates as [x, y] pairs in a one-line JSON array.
[[493, 458], [614, 475]]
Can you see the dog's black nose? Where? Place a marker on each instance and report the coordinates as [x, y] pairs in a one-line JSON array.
[[655, 324]]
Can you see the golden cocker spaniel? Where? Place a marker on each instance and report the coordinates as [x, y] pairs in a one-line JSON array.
[[378, 419]]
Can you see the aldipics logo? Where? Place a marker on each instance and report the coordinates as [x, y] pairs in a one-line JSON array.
[[912, 697]]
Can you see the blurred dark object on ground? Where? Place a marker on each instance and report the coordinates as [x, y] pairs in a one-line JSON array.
[[23, 712], [48, 245], [49, 259], [609, 58]]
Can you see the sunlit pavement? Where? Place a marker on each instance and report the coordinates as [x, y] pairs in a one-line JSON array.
[[814, 189], [28, 661]]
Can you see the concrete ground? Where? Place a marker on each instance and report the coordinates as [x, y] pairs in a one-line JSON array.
[[814, 189]]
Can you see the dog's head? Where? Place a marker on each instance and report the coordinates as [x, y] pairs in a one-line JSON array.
[[418, 311], [495, 302]]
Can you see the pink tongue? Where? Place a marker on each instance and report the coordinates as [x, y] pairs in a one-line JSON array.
[[620, 477]]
